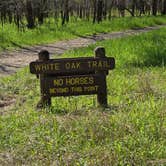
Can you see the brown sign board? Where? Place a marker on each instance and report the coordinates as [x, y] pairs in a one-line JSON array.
[[71, 65], [72, 85], [72, 76]]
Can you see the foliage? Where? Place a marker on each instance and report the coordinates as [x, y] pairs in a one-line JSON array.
[[30, 13]]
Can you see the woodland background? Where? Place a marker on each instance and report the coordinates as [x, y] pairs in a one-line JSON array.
[[30, 13]]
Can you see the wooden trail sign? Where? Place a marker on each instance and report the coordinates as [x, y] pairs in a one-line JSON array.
[[60, 66], [73, 76]]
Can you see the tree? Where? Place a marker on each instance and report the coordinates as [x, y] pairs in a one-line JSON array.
[[154, 7], [65, 12], [35, 11], [29, 14], [164, 7], [99, 10]]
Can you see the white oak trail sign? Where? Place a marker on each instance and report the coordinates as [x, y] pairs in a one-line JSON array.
[[73, 76]]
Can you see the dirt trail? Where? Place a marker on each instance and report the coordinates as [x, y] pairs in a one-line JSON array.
[[10, 62]]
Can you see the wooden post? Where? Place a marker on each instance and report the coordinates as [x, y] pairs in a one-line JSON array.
[[102, 95], [45, 99]]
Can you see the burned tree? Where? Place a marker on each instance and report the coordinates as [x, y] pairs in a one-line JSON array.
[[29, 14], [65, 11], [98, 11], [154, 7], [164, 7]]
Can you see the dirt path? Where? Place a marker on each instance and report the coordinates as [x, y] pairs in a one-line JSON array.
[[10, 62]]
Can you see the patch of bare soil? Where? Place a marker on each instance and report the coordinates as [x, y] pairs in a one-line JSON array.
[[6, 102], [6, 159]]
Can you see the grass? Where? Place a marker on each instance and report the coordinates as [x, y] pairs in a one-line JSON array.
[[11, 38], [131, 131]]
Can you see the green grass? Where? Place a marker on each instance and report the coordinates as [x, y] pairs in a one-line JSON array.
[[10, 37], [131, 131]]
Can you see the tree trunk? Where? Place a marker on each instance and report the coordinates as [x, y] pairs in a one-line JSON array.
[[105, 10], [142, 7], [94, 12], [65, 17], [80, 11], [10, 16], [99, 10], [164, 7], [154, 7], [40, 15], [133, 8], [29, 16]]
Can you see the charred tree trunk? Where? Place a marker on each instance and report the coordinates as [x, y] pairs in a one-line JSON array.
[[87, 10], [40, 13], [56, 11], [99, 11], [80, 12], [29, 16], [154, 7], [10, 16], [65, 13], [133, 8], [105, 10], [95, 11], [164, 7], [3, 12], [142, 7]]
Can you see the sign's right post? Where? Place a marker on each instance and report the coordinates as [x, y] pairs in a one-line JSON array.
[[102, 94]]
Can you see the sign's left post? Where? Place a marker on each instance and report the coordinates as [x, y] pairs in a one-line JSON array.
[[45, 98]]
